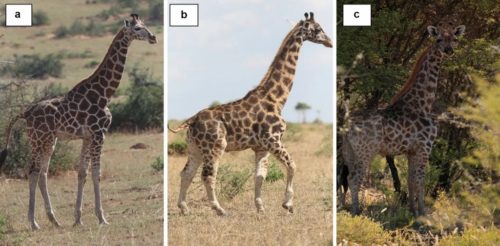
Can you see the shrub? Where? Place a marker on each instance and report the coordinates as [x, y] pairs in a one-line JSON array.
[[274, 172], [34, 66], [177, 147], [231, 183], [156, 11], [79, 28], [40, 18], [3, 225], [158, 164], [143, 108], [61, 32], [478, 237], [360, 230]]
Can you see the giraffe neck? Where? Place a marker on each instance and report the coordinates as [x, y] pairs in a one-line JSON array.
[[102, 84], [278, 81], [419, 93]]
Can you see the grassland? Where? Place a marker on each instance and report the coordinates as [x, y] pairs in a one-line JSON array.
[[41, 40], [132, 200], [311, 224]]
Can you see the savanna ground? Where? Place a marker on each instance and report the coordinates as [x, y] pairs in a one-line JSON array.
[[311, 223], [132, 196], [75, 35]]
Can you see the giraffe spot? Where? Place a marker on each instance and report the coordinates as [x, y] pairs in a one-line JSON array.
[[255, 127], [93, 109], [119, 68]]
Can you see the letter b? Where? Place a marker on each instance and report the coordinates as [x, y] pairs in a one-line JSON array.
[[184, 15]]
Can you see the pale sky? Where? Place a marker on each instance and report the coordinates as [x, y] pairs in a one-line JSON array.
[[231, 50]]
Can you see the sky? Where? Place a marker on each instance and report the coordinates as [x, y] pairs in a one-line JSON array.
[[231, 50]]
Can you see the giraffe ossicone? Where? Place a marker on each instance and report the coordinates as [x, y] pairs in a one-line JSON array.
[[406, 126], [80, 114], [253, 122]]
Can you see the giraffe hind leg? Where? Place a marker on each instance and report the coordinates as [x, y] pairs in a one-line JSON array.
[[82, 175], [42, 183], [209, 173], [95, 155], [187, 176]]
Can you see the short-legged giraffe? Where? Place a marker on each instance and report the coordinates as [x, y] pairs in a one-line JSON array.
[[406, 126], [80, 114], [253, 122]]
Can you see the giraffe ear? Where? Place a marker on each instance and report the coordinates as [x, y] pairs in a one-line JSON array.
[[459, 30], [126, 23], [432, 30]]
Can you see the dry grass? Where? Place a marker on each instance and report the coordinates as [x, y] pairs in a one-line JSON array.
[[132, 200], [311, 224]]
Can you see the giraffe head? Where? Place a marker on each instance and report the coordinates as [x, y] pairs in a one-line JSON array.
[[135, 29], [446, 35], [312, 31]]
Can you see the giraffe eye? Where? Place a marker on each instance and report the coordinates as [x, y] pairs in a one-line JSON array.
[[137, 28]]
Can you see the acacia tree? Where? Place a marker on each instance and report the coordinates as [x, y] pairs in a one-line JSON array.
[[302, 108]]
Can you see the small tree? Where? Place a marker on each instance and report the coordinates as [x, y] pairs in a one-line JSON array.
[[302, 108]]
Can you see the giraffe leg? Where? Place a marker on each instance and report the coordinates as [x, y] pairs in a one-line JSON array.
[[42, 182], [417, 164], [282, 154], [411, 185], [95, 154], [82, 174], [356, 177], [261, 165], [33, 180], [187, 176], [209, 174]]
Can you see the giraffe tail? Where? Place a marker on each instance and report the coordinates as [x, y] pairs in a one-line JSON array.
[[183, 125], [3, 154]]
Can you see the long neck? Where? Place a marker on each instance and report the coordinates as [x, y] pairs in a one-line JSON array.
[[419, 92], [106, 78], [278, 81]]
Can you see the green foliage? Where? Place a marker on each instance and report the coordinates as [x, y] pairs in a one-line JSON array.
[[479, 237], [143, 108], [111, 12], [231, 182], [156, 11], [40, 18], [34, 66], [3, 225], [158, 164], [177, 147], [360, 230], [274, 172], [80, 28], [63, 159]]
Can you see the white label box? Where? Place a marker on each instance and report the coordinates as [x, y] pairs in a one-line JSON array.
[[357, 15], [184, 15], [18, 14]]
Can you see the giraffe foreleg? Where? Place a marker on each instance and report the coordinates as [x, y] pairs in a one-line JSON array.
[[187, 176], [261, 167], [82, 175], [42, 182], [282, 154], [95, 151]]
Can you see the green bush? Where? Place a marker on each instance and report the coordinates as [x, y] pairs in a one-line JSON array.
[[231, 182], [61, 32], [80, 28], [156, 11], [274, 172], [143, 108], [360, 230], [479, 237], [34, 66], [158, 164], [177, 147], [3, 225], [40, 18]]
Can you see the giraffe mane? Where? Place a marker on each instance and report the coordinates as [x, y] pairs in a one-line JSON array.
[[411, 81]]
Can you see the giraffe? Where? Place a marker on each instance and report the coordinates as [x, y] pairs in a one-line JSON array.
[[253, 122], [80, 114], [406, 126]]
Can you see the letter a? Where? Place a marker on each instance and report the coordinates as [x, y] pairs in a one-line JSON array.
[[18, 14]]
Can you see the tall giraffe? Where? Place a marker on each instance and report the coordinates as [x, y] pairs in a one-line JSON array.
[[80, 114], [253, 122], [406, 126]]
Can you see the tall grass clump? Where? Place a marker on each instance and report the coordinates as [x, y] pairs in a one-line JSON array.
[[158, 164], [231, 182], [274, 172]]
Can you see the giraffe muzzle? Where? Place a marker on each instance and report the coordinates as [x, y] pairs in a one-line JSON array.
[[152, 39]]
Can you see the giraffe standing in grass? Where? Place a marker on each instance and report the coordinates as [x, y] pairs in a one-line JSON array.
[[253, 122], [405, 126], [80, 114]]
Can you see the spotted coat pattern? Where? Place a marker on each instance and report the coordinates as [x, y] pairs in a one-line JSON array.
[[80, 114], [253, 122], [406, 126]]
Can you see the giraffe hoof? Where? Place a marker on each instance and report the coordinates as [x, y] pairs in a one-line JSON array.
[[35, 226], [288, 207], [103, 222], [221, 212]]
